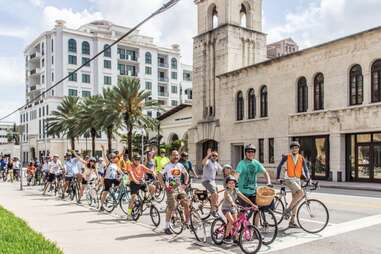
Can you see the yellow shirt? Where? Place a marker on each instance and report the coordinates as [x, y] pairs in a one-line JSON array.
[[160, 163]]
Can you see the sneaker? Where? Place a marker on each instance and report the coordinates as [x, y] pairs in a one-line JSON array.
[[167, 231], [228, 240], [292, 225], [101, 209]]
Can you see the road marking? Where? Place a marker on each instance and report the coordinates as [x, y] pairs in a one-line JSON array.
[[345, 196], [342, 228]]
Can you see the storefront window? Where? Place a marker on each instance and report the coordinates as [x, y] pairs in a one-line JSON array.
[[377, 137], [363, 138]]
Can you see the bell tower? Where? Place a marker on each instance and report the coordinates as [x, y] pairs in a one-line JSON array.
[[229, 37]]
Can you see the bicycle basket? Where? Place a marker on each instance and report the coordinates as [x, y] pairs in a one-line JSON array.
[[201, 194], [264, 196]]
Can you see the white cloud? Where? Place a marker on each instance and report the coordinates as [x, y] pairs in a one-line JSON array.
[[38, 3], [327, 20]]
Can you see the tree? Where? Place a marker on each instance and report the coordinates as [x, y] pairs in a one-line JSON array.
[[129, 102], [63, 120]]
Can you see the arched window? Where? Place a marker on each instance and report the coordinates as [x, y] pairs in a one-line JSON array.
[[356, 86], [174, 63], [107, 53], [72, 46], [264, 102], [148, 58], [302, 95], [319, 92], [188, 93], [376, 81], [252, 108], [243, 15], [85, 48], [240, 106], [214, 18]]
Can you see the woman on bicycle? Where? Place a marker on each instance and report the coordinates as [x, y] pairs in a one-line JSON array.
[[90, 172], [229, 206], [30, 171]]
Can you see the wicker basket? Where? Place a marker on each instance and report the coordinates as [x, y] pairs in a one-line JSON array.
[[264, 196]]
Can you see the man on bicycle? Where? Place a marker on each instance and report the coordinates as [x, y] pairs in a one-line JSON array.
[[296, 167], [247, 171], [170, 179], [209, 172], [54, 170], [72, 168]]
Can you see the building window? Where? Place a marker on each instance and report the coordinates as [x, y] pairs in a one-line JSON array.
[[251, 104], [319, 92], [271, 150], [107, 64], [73, 92], [240, 106], [52, 76], [52, 45], [131, 55], [148, 85], [187, 76], [73, 76], [107, 80], [85, 78], [85, 60], [85, 48], [264, 102], [148, 58], [243, 15], [261, 143], [52, 60], [162, 103], [356, 85], [39, 113], [72, 46], [42, 49], [174, 75], [188, 93], [302, 95], [43, 63], [174, 103], [214, 17], [107, 52], [72, 59], [43, 79], [149, 113], [148, 70], [174, 63], [86, 93], [47, 110], [376, 81], [173, 89]]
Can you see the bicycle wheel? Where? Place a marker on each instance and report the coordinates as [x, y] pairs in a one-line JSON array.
[[266, 223], [217, 231], [278, 210], [71, 193], [250, 240], [137, 210], [124, 202], [110, 202], [312, 216], [155, 215], [77, 193], [89, 197], [204, 208], [198, 226], [176, 222], [159, 193]]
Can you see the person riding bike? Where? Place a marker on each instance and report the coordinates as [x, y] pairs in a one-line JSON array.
[[296, 168], [55, 169], [161, 160], [247, 171], [30, 171], [187, 164], [210, 169], [137, 173], [170, 179], [90, 171], [72, 168]]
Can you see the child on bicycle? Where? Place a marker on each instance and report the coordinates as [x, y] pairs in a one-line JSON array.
[[229, 206]]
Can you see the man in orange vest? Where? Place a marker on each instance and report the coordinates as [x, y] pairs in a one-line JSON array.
[[296, 167]]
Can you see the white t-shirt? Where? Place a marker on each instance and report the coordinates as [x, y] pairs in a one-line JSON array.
[[55, 167], [111, 171], [173, 172]]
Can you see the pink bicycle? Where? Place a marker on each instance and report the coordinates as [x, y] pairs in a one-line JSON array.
[[249, 237]]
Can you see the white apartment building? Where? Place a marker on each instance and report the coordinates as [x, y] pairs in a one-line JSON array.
[[58, 52], [4, 128]]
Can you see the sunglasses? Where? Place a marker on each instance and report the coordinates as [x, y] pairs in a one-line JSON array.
[[214, 156], [250, 152]]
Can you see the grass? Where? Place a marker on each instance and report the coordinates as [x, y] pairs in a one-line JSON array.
[[16, 237]]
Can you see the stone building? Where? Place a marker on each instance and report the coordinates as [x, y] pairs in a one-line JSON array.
[[328, 97], [281, 48]]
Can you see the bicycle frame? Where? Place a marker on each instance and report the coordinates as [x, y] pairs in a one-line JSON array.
[[242, 222]]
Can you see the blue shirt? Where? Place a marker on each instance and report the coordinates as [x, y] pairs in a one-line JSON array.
[[248, 170], [72, 167]]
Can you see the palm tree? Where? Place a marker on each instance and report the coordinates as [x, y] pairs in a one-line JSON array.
[[87, 115], [129, 101], [64, 121]]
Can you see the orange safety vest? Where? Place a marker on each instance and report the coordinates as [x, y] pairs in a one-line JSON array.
[[292, 169]]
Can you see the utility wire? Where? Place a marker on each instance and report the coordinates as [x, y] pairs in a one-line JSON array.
[[162, 9]]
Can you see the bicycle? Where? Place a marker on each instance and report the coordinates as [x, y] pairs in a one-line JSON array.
[[141, 205], [91, 194], [249, 236], [159, 192], [200, 201], [117, 196], [73, 190], [308, 211]]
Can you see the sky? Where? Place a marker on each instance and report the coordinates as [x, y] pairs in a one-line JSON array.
[[308, 22]]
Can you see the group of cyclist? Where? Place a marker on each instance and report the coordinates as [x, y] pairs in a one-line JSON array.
[[173, 174], [10, 168]]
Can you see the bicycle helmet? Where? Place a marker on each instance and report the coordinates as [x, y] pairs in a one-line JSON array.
[[184, 154], [112, 155], [294, 143], [230, 178], [92, 159], [227, 166], [250, 147]]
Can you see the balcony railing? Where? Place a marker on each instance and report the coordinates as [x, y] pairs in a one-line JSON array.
[[161, 79], [163, 65], [163, 94], [34, 71], [126, 73]]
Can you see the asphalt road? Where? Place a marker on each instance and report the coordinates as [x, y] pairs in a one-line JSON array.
[[355, 226]]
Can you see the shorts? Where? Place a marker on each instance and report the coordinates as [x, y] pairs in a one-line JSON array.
[[150, 178], [293, 184], [136, 187], [109, 182], [210, 186], [172, 198], [231, 210], [68, 178], [51, 177]]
